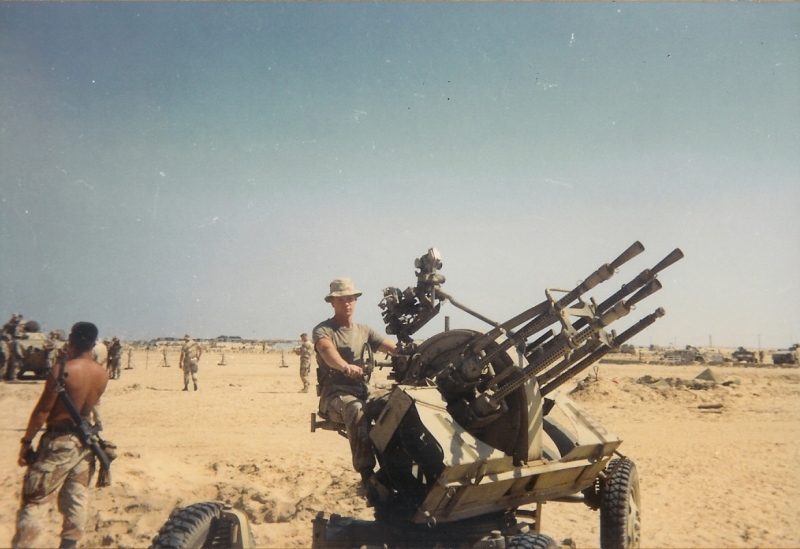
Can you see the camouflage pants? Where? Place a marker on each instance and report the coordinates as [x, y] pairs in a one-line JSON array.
[[349, 410], [113, 368], [189, 371], [63, 470], [305, 369]]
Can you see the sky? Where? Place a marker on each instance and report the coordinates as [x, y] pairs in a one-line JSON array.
[[209, 168]]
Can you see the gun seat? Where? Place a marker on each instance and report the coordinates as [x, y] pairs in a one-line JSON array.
[[326, 424]]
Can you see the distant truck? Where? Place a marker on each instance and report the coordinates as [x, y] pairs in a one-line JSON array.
[[786, 356], [627, 349], [32, 352], [684, 356], [743, 355]]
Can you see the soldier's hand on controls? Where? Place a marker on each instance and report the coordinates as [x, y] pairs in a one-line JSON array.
[[353, 371]]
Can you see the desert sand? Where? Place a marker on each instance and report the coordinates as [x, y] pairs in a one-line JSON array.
[[728, 477]]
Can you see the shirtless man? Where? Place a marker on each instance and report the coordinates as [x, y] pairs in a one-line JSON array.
[[64, 465]]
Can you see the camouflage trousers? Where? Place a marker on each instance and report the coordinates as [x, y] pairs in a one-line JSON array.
[[63, 470], [349, 410], [305, 369], [113, 367], [189, 371]]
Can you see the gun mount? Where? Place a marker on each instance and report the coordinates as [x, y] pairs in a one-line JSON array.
[[468, 439], [468, 435]]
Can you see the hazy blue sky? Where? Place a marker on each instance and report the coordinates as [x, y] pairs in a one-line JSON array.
[[210, 167]]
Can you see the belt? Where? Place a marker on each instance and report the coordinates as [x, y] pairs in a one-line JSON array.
[[62, 430]]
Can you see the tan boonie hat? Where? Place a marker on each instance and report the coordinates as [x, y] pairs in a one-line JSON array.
[[342, 287]]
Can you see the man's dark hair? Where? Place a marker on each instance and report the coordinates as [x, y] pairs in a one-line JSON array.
[[83, 336], [304, 334]]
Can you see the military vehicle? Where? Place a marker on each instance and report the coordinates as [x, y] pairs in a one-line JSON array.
[[627, 349], [32, 352], [787, 356], [743, 355], [684, 356], [475, 435]]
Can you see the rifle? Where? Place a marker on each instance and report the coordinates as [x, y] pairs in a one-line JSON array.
[[85, 430]]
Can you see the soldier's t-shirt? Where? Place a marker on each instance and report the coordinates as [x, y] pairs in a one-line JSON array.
[[307, 349], [191, 351], [349, 342]]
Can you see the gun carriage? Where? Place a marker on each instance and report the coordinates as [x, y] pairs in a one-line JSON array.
[[475, 435]]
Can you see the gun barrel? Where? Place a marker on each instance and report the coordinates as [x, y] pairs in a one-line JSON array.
[[673, 257], [549, 316], [578, 355], [599, 353], [650, 288], [633, 250]]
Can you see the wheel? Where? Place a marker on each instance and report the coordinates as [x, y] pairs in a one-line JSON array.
[[367, 362], [532, 541], [203, 525], [620, 509]]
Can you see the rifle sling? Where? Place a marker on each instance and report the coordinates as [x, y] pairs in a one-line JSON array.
[[84, 430]]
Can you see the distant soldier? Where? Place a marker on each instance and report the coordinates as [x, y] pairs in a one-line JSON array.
[[164, 354], [114, 358], [130, 362], [306, 351], [190, 354], [14, 328]]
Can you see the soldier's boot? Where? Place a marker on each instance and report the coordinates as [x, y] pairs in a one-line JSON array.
[[68, 544], [186, 387], [195, 385]]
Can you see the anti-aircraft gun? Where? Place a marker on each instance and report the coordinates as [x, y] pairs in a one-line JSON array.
[[468, 436], [468, 439]]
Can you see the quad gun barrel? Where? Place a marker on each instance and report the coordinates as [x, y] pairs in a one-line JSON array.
[[553, 357]]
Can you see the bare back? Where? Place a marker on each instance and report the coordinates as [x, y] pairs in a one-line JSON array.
[[85, 382]]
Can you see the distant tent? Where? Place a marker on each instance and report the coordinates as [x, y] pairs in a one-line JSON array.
[[709, 375]]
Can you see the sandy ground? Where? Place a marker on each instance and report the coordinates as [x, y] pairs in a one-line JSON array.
[[726, 478]]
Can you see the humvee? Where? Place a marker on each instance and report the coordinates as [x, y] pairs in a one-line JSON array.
[[788, 356], [743, 355], [32, 353]]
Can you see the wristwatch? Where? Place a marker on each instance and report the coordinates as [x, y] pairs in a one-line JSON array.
[[26, 441]]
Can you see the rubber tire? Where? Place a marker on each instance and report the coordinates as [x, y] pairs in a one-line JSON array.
[[620, 508], [188, 528], [532, 541]]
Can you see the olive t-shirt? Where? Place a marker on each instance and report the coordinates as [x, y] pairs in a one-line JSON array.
[[349, 342]]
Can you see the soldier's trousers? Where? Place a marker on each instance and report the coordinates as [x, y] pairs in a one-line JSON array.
[[62, 471], [349, 410], [305, 369], [189, 370]]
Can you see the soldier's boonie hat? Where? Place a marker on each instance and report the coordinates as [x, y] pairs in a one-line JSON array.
[[342, 287]]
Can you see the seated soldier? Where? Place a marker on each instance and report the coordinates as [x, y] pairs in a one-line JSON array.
[[338, 342]]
